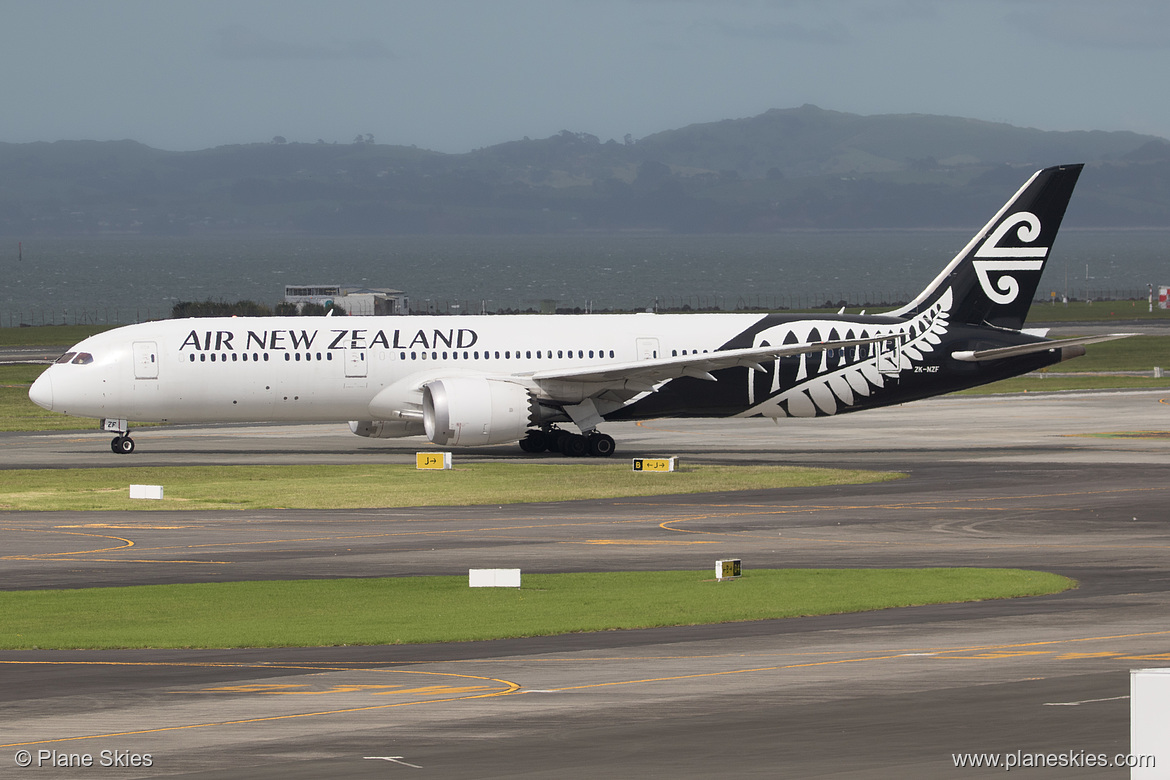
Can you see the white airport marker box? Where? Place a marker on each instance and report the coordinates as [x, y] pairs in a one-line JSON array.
[[146, 491], [432, 460], [656, 464], [493, 578], [1149, 721], [728, 569]]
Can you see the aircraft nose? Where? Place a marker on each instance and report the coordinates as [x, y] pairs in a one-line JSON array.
[[41, 392]]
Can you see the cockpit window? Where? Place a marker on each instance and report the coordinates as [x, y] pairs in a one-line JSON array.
[[82, 359], [66, 357]]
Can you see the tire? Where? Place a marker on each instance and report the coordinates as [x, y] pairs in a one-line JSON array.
[[601, 445], [574, 446], [125, 445], [535, 441]]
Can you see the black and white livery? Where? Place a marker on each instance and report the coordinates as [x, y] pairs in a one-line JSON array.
[[552, 382]]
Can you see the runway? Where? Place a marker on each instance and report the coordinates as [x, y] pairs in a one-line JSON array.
[[1037, 481]]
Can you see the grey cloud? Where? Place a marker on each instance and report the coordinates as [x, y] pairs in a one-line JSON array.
[[1118, 25], [831, 33], [242, 43]]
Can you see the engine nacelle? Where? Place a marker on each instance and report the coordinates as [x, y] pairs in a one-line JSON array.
[[471, 411], [386, 429]]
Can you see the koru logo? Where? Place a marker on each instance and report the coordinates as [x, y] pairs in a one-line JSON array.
[[1003, 259]]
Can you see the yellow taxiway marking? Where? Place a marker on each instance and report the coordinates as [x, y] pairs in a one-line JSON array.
[[645, 542], [132, 527], [978, 652], [474, 690], [127, 543], [454, 693]]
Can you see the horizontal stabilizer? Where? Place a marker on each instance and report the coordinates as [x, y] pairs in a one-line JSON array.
[[1000, 353]]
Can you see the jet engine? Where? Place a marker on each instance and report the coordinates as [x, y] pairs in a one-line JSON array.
[[386, 429], [471, 411]]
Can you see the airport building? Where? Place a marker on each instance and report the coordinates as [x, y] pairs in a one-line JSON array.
[[355, 300]]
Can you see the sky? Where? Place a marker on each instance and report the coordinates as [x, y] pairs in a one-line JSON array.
[[457, 75]]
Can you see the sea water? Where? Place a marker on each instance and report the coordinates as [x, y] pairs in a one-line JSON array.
[[131, 278]]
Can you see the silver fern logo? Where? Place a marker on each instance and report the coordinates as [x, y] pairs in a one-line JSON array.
[[1005, 259], [829, 380]]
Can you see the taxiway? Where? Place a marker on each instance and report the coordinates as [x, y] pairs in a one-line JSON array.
[[1074, 483]]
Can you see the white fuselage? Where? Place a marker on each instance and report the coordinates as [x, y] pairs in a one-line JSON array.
[[343, 368]]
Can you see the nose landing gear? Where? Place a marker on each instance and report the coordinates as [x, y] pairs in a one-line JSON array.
[[122, 443]]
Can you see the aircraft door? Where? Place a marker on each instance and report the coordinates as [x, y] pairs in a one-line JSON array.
[[889, 354], [647, 348], [145, 360], [355, 363]]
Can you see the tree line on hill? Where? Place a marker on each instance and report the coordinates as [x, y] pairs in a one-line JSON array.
[[247, 308], [784, 169]]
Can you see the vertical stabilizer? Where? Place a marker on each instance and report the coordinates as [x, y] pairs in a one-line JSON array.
[[994, 278]]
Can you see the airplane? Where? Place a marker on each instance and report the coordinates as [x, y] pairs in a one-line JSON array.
[[470, 381]]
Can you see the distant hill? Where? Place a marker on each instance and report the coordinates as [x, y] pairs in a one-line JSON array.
[[809, 141], [786, 168]]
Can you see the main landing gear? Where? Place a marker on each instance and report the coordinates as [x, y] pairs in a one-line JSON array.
[[573, 445], [122, 444]]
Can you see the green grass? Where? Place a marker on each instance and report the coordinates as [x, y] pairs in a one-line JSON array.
[[387, 485], [1036, 384], [1042, 313], [49, 335], [1101, 311], [17, 413], [445, 609], [1136, 353]]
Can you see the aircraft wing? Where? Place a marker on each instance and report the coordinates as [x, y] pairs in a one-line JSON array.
[[975, 356], [644, 374]]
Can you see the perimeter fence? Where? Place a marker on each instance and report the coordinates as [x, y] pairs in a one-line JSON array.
[[116, 315]]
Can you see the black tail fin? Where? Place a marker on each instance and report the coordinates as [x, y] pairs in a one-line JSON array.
[[994, 278]]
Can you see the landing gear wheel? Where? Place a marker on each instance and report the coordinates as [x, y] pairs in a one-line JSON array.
[[122, 445], [535, 441], [574, 445], [601, 445]]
